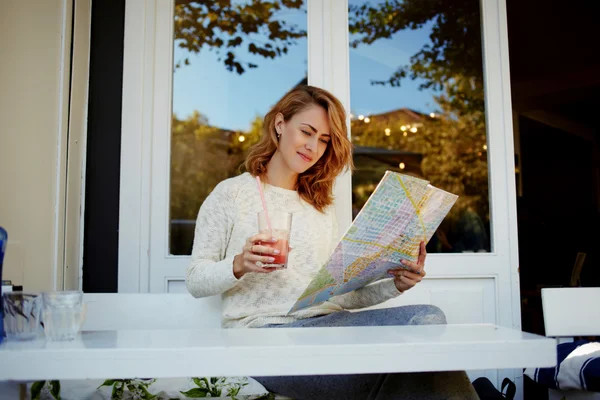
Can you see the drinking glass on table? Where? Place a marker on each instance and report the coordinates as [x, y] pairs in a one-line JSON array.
[[281, 223], [63, 314], [21, 315]]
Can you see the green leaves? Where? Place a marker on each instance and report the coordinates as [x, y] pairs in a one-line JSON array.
[[450, 150], [36, 389], [203, 383], [202, 155], [50, 387], [195, 393], [451, 62], [140, 390], [224, 26], [206, 386], [233, 391], [55, 389], [137, 387], [108, 382], [214, 386]]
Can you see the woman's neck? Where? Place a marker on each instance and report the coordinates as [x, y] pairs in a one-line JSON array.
[[279, 174]]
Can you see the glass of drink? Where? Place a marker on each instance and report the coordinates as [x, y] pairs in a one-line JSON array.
[[21, 315], [281, 223], [63, 314]]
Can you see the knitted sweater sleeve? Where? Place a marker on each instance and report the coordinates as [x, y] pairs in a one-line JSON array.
[[370, 295], [210, 272]]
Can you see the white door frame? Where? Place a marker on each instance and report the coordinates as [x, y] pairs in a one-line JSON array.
[[136, 141], [61, 200], [144, 185], [77, 146]]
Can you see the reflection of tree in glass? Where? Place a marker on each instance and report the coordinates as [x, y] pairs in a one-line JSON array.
[[453, 60], [197, 155], [453, 150], [452, 144], [202, 156], [223, 25]]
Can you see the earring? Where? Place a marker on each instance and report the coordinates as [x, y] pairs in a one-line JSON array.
[[278, 134]]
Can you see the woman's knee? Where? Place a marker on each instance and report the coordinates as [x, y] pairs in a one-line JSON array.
[[428, 314]]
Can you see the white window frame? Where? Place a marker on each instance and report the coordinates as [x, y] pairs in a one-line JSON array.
[[77, 145], [143, 237]]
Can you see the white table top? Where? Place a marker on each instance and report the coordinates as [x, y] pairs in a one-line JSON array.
[[282, 351]]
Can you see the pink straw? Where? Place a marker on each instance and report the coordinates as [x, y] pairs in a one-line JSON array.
[[264, 203]]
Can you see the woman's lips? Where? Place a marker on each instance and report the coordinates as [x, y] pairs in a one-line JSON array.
[[305, 157]]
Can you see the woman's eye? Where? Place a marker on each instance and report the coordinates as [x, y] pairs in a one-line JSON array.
[[324, 141], [306, 133]]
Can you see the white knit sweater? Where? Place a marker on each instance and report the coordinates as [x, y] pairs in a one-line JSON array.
[[227, 218]]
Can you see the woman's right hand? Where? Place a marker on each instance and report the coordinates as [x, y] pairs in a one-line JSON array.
[[250, 260]]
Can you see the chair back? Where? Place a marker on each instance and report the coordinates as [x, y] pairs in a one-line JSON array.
[[571, 311]]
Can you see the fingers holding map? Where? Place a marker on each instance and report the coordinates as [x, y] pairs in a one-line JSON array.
[[401, 212]]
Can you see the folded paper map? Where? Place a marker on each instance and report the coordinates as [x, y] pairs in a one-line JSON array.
[[401, 212]]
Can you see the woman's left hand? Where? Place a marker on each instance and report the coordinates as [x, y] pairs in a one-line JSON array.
[[407, 279]]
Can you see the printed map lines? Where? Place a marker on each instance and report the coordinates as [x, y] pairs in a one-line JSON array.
[[401, 212], [413, 204], [375, 244]]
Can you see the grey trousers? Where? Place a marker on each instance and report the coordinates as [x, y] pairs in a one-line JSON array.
[[425, 385]]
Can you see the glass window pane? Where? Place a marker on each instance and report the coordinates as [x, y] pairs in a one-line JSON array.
[[232, 61], [417, 104]]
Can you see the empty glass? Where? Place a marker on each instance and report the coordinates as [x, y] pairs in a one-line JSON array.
[[63, 314], [21, 315]]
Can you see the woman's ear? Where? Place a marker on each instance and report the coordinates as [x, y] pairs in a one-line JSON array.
[[279, 121]]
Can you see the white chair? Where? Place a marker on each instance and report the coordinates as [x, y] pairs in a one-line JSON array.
[[570, 312]]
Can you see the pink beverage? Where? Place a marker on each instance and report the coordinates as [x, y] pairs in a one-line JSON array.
[[280, 224], [281, 258]]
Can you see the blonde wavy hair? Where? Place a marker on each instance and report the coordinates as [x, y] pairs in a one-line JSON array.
[[315, 185]]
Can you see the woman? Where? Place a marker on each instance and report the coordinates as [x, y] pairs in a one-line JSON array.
[[304, 147]]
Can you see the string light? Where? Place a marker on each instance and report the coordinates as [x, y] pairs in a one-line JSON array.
[[485, 146], [388, 131], [241, 138], [402, 166], [432, 115], [405, 134], [403, 128], [413, 129], [367, 120], [361, 117]]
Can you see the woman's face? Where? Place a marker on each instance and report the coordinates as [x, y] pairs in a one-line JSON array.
[[304, 138]]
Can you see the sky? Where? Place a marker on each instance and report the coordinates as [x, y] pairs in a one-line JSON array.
[[232, 101]]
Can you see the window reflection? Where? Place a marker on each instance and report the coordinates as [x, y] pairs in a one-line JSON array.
[[418, 107], [232, 61]]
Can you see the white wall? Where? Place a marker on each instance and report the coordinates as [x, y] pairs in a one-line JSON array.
[[34, 54]]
